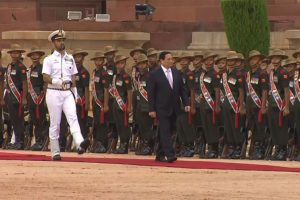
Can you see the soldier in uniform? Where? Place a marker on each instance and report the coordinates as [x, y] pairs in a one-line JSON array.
[[296, 55], [100, 95], [110, 54], [290, 65], [257, 92], [2, 74], [82, 85], [152, 55], [184, 127], [143, 120], [296, 81], [121, 89], [36, 98], [209, 81], [233, 106], [16, 95], [221, 62], [195, 105], [279, 105], [134, 53]]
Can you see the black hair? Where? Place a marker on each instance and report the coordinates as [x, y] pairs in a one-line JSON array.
[[163, 54]]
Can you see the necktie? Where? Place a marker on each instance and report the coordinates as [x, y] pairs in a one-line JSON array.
[[169, 78]]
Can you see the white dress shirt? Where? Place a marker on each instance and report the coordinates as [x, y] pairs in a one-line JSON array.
[[169, 76], [58, 66]]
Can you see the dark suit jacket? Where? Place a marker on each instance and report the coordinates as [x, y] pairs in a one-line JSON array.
[[162, 98]]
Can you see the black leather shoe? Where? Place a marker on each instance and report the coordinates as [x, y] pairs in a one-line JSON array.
[[282, 155], [123, 149], [160, 159], [83, 146], [56, 158], [15, 146], [100, 148], [171, 159], [37, 147]]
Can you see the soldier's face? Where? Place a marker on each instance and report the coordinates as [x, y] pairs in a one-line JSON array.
[[290, 68], [78, 58], [59, 44], [298, 57], [110, 56], [221, 64], [254, 61], [168, 61], [121, 65], [136, 55], [231, 63], [15, 55], [35, 57], [239, 63], [152, 59], [276, 61], [99, 61], [142, 66], [184, 63], [197, 61], [264, 66], [209, 61]]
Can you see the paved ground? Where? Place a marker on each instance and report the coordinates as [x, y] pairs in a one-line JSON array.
[[60, 180]]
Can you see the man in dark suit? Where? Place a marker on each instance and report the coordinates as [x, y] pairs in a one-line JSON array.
[[165, 93]]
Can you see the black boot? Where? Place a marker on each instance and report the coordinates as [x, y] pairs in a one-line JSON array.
[[282, 155], [100, 148], [189, 151], [38, 146], [276, 153], [146, 149], [123, 149], [212, 151], [237, 152], [15, 146]]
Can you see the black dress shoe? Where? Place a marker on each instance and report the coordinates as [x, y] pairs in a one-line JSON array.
[[100, 148], [160, 159], [56, 158], [83, 146], [123, 149], [15, 146], [171, 159], [37, 146]]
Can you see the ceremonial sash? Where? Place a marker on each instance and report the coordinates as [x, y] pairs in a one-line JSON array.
[[142, 90], [234, 104], [114, 93], [222, 97], [277, 98], [292, 98], [254, 96], [37, 99], [296, 85], [98, 102], [207, 97], [14, 89], [135, 82]]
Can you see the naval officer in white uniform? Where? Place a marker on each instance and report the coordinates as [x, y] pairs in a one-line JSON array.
[[59, 71]]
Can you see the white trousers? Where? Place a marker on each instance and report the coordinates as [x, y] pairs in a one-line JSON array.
[[58, 101]]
